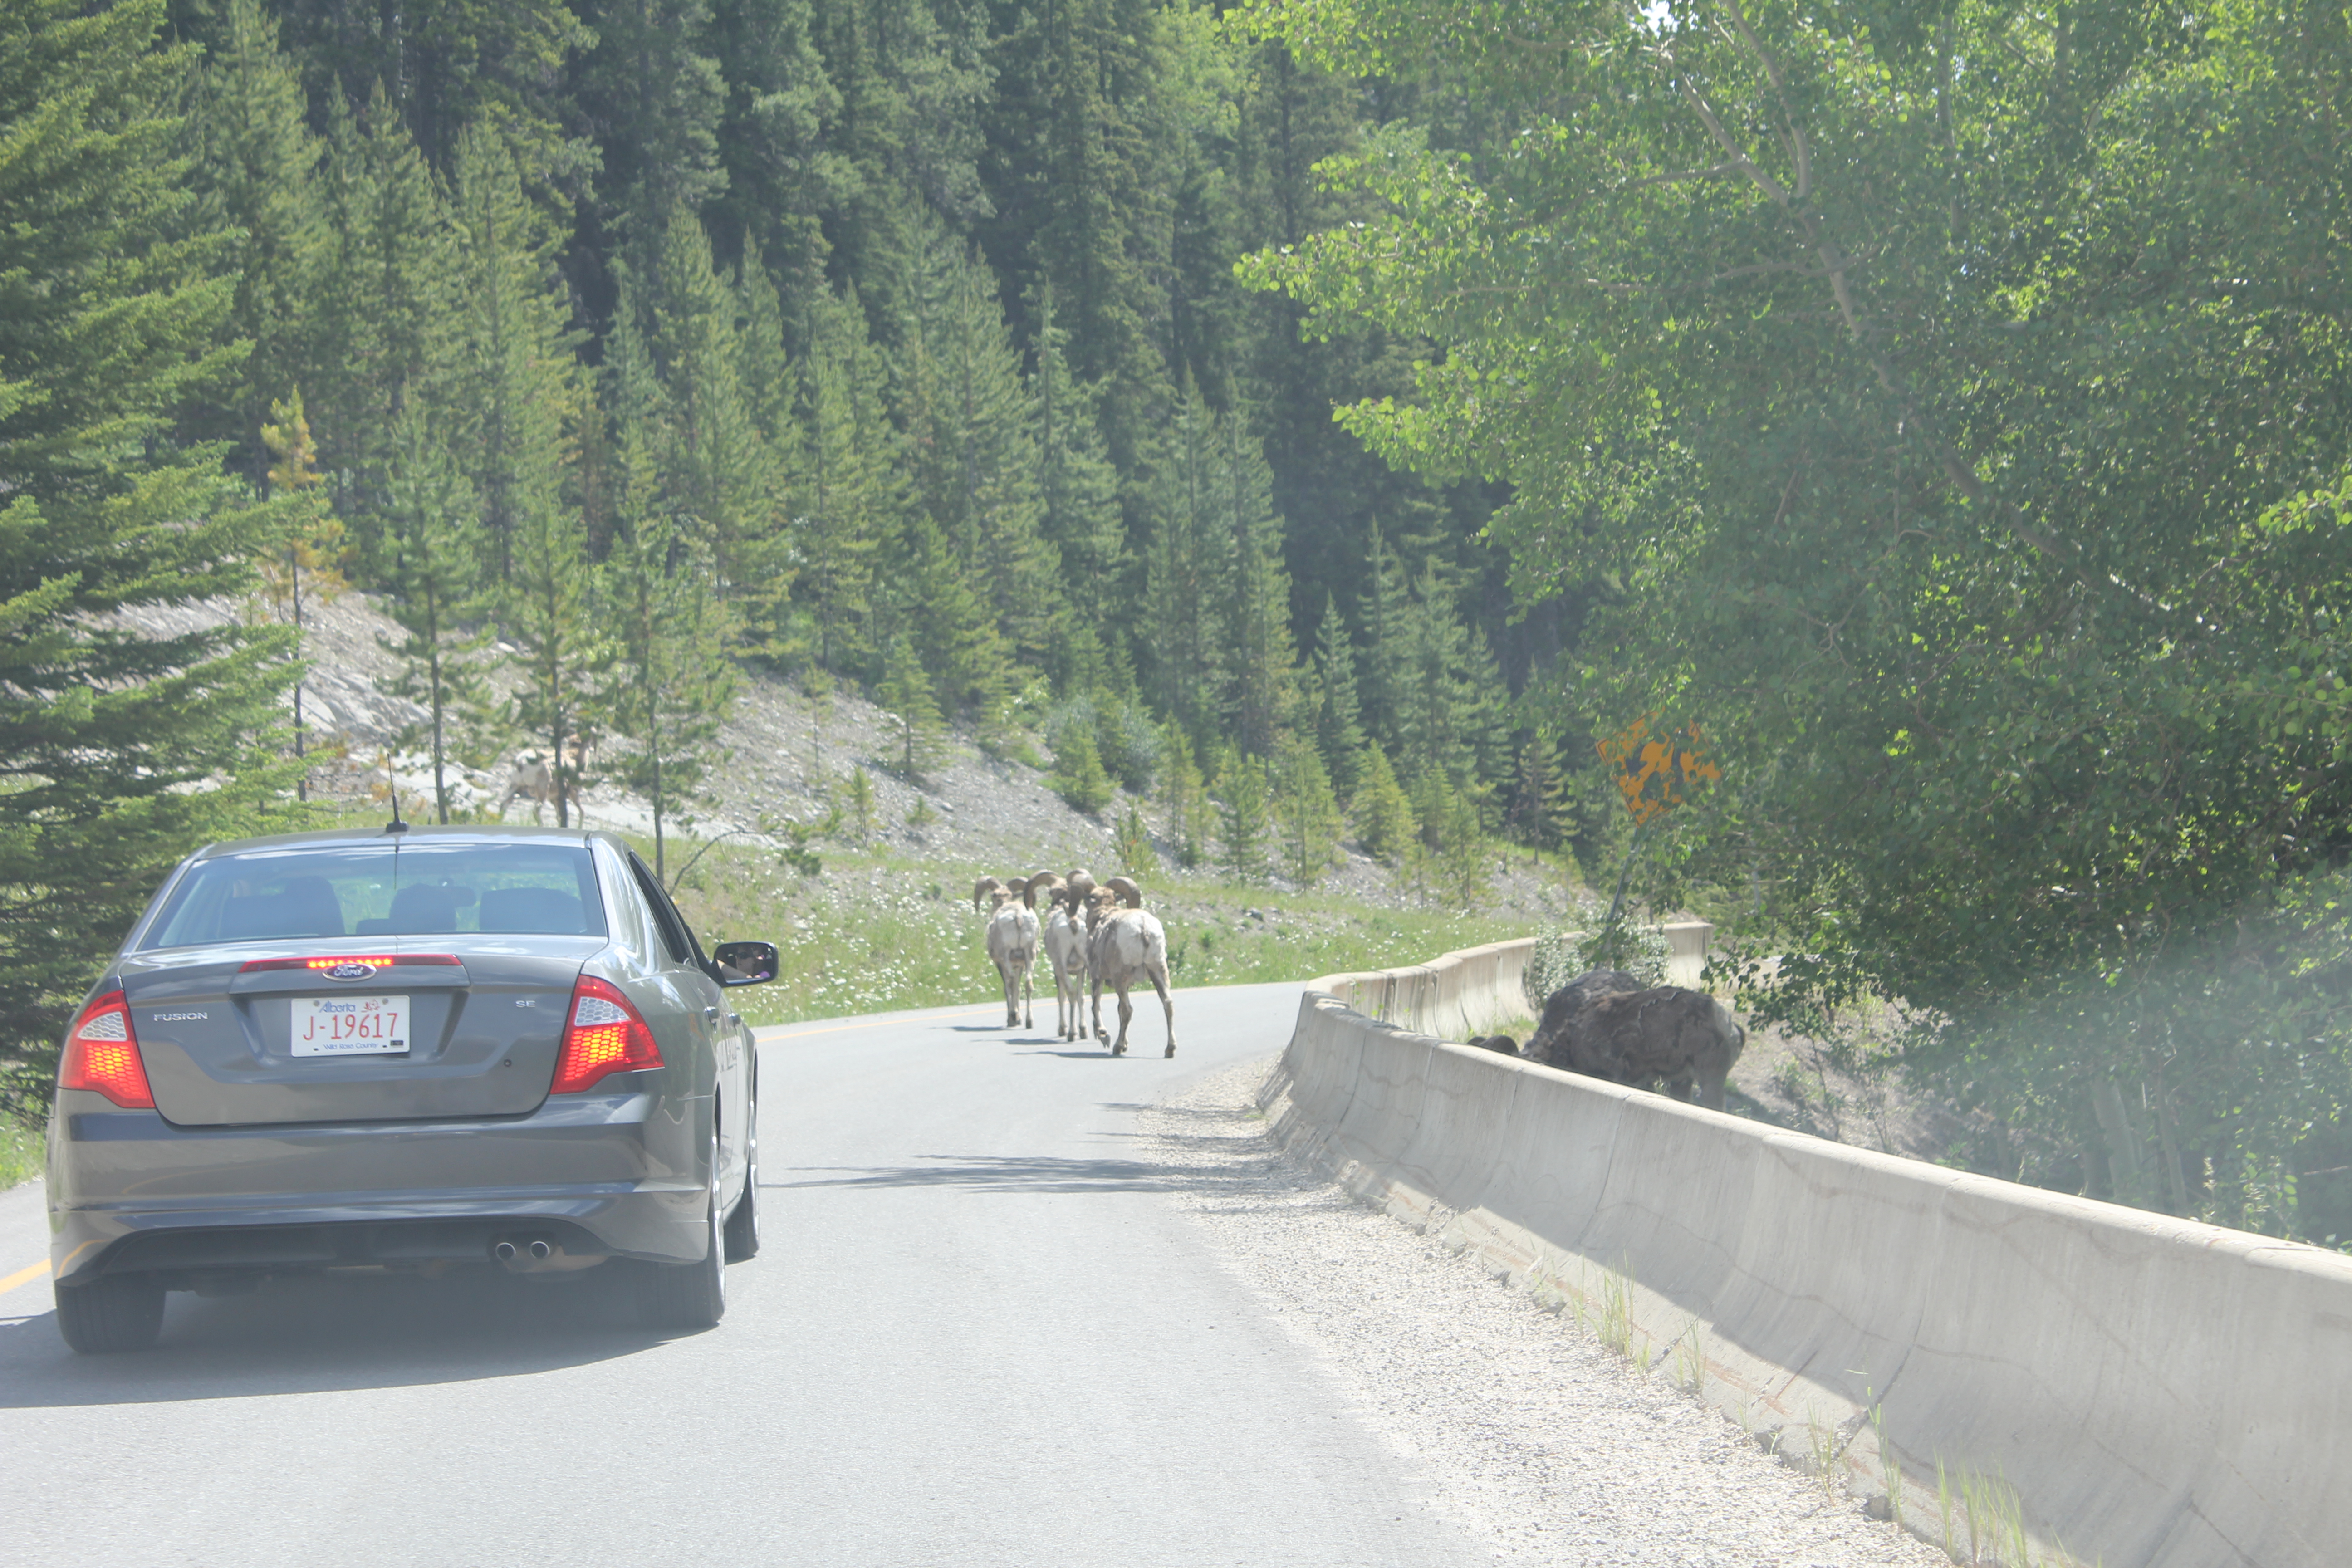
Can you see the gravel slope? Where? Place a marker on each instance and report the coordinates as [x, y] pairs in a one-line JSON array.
[[1531, 1436]]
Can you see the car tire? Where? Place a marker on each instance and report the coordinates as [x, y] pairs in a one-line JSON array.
[[744, 1225], [106, 1316], [688, 1297]]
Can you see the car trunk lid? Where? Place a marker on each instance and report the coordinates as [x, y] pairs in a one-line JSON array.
[[440, 1026]]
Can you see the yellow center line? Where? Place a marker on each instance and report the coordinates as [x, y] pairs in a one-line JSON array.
[[24, 1276], [844, 1028]]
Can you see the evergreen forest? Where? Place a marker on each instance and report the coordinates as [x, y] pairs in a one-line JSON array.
[[1879, 473]]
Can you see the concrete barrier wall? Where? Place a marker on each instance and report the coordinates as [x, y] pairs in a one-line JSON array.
[[2158, 1394]]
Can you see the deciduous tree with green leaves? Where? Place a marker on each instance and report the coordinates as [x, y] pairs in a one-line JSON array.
[[1955, 403]]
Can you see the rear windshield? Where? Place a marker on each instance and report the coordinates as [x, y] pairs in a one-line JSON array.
[[383, 890]]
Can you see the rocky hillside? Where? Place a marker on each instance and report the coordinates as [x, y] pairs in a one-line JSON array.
[[790, 756]]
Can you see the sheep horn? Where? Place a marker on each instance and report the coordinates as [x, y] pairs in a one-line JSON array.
[[1128, 893], [1044, 882], [982, 889]]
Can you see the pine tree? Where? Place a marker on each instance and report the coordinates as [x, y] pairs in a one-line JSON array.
[[1440, 710], [852, 496], [971, 429], [657, 95], [861, 802], [1084, 139], [313, 553], [1307, 811], [1387, 606], [906, 692], [1259, 695], [1185, 798], [1131, 840], [669, 682], [1077, 486], [123, 752], [1188, 575], [935, 600], [713, 456], [259, 166], [763, 364], [1339, 728], [913, 76], [1385, 816], [432, 570], [549, 608], [1078, 777], [514, 381], [379, 299], [1536, 794], [1243, 815], [783, 176]]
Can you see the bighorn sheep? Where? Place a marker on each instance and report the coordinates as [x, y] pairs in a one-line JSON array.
[[1012, 948], [1565, 1008], [1606, 1026], [1686, 1038], [535, 782], [1066, 948], [1125, 946], [1081, 886]]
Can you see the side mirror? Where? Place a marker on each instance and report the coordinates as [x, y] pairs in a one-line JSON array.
[[745, 963]]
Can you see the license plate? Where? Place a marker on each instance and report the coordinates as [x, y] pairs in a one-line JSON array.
[[349, 1025]]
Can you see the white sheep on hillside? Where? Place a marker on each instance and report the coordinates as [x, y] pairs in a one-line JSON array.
[[1012, 948], [1125, 947]]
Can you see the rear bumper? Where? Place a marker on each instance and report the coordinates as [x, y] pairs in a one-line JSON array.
[[615, 1176]]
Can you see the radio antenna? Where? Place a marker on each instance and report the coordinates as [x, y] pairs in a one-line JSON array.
[[396, 825]]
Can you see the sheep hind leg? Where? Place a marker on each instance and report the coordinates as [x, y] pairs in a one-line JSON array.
[[1167, 1005], [1126, 1015]]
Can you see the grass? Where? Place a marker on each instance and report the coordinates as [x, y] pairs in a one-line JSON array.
[[1690, 1359], [20, 1150], [1615, 1320], [1994, 1517], [881, 932]]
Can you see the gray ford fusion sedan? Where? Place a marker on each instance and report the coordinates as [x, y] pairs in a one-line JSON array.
[[405, 1049]]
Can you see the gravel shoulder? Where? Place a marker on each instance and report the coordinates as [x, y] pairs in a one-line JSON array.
[[1531, 1435]]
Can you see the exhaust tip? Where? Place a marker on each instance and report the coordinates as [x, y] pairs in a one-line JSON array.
[[504, 1252], [540, 1249]]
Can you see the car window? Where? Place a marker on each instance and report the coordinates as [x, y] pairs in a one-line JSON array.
[[679, 940], [301, 891]]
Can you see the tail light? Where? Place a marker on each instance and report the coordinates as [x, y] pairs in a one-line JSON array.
[[604, 1034], [102, 1055]]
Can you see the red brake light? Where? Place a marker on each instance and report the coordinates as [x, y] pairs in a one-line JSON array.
[[604, 1032], [102, 1055]]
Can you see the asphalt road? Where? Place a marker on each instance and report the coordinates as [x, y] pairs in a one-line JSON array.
[[977, 1333]]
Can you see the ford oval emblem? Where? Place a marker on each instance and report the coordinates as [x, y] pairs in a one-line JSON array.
[[351, 972]]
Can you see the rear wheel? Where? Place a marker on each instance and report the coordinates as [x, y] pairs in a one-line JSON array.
[[689, 1295], [744, 1225], [122, 1313]]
